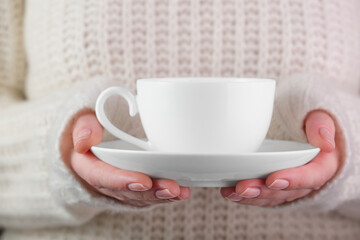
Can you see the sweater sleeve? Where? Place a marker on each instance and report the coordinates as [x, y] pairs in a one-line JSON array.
[[36, 189], [296, 96]]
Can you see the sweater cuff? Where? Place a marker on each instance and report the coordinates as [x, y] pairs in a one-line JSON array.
[[66, 187], [296, 96]]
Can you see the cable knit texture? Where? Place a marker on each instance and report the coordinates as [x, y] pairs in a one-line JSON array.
[[57, 56]]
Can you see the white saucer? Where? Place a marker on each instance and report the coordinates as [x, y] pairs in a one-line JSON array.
[[206, 170]]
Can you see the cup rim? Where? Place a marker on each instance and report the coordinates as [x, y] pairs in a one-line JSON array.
[[206, 80]]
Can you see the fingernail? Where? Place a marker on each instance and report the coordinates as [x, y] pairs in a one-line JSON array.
[[327, 136], [250, 192], [279, 184], [164, 194], [234, 197], [83, 134], [137, 187]]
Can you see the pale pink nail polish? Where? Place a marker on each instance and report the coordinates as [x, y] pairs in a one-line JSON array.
[[279, 184], [137, 187], [164, 194], [250, 192], [234, 197], [327, 136]]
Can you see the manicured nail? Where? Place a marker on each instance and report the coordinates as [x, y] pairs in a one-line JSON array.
[[327, 136], [83, 134], [164, 194], [279, 184], [234, 197], [250, 192], [137, 187]]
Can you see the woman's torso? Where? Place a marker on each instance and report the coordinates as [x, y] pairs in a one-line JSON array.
[[71, 41]]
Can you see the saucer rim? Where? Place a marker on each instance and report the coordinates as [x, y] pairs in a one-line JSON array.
[[310, 149]]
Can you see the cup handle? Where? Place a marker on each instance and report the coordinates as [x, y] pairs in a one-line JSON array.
[[133, 110]]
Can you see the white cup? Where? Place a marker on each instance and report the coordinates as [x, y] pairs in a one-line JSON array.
[[197, 115]]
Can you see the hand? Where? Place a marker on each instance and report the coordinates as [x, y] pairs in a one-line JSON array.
[[130, 188], [290, 184]]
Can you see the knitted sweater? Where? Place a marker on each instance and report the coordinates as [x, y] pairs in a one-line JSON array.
[[57, 56]]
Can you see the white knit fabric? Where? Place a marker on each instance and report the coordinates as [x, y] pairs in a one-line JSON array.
[[57, 56]]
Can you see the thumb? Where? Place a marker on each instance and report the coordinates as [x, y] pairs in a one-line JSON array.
[[320, 130], [87, 132]]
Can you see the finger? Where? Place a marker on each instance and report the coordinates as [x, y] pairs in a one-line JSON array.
[[320, 130], [165, 189], [162, 189], [310, 176], [250, 188], [102, 175], [131, 198], [184, 194], [87, 132], [242, 189], [229, 193], [283, 195]]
